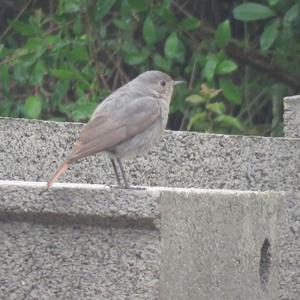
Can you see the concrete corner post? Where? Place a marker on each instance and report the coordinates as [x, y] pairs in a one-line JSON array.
[[292, 116]]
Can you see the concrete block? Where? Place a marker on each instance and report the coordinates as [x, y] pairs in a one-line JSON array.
[[78, 242], [230, 245], [31, 150], [83, 241], [292, 116]]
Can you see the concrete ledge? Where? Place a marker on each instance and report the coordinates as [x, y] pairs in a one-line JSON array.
[[89, 242], [78, 203], [78, 242], [31, 150]]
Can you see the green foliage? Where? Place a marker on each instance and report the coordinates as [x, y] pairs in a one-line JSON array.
[[230, 91], [59, 59], [210, 112], [33, 107], [270, 34], [223, 34], [174, 48], [149, 31], [253, 12], [226, 66], [189, 23]]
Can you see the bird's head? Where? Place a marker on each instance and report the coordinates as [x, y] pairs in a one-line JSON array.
[[157, 83]]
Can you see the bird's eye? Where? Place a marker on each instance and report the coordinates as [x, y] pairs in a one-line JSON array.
[[163, 83]]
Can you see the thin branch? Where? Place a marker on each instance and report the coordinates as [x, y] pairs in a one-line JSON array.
[[6, 31], [260, 62], [247, 57], [117, 66]]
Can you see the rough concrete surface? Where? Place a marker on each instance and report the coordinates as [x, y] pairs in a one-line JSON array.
[[78, 243], [32, 150], [292, 116], [90, 242]]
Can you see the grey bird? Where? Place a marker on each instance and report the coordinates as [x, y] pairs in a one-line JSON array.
[[126, 124]]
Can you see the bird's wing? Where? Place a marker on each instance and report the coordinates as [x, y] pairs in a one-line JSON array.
[[108, 129]]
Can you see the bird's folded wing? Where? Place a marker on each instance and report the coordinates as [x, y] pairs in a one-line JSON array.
[[106, 130]]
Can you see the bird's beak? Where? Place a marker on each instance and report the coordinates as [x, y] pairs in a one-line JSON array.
[[175, 82]]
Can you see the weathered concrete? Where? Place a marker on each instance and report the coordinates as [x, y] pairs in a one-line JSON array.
[[292, 116], [78, 242], [31, 150], [90, 242], [212, 245]]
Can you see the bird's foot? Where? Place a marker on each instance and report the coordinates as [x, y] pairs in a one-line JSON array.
[[127, 187]]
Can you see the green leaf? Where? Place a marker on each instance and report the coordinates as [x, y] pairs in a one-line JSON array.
[[273, 2], [122, 24], [103, 7], [196, 118], [32, 58], [229, 121], [295, 27], [34, 43], [190, 23], [66, 6], [22, 28], [4, 77], [2, 51], [134, 58], [38, 73], [167, 3], [174, 48], [252, 12], [82, 110], [269, 35], [77, 26], [79, 53], [139, 5], [33, 107], [162, 63], [52, 40], [167, 16], [217, 107], [227, 66], [230, 91], [5, 107], [149, 32], [64, 74], [290, 15], [20, 73], [195, 99], [210, 67], [223, 34]]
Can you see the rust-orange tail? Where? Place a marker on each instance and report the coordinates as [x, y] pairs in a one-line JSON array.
[[61, 170]]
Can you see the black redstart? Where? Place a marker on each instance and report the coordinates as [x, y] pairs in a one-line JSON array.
[[126, 124]]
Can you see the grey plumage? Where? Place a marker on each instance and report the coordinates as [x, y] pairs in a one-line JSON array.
[[127, 123]]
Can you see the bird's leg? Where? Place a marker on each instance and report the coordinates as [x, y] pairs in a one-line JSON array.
[[116, 171], [127, 186], [123, 174]]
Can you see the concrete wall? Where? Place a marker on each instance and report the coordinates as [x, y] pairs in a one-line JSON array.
[[78, 242], [86, 241], [31, 150], [230, 245], [90, 242]]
